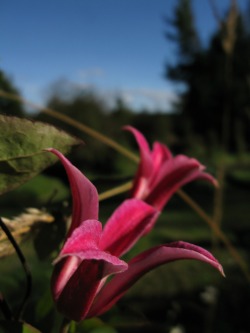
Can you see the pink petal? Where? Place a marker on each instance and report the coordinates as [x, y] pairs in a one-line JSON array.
[[160, 154], [146, 164], [142, 264], [84, 193], [78, 294], [132, 219], [173, 174], [85, 237], [141, 140], [83, 244], [81, 269]]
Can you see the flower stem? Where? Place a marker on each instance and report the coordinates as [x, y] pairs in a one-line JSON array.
[[65, 326], [115, 191]]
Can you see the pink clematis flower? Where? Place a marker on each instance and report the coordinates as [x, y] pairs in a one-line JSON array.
[[160, 174], [92, 253]]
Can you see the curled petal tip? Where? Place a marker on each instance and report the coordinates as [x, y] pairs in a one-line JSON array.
[[51, 150], [215, 183]]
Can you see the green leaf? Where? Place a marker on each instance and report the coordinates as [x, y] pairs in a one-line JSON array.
[[29, 329], [21, 149], [16, 327]]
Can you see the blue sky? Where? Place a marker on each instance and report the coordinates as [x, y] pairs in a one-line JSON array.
[[115, 46]]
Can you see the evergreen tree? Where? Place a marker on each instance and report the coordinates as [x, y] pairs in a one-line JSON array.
[[8, 106], [216, 77]]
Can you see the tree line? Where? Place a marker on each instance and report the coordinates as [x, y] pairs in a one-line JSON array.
[[213, 109], [215, 102]]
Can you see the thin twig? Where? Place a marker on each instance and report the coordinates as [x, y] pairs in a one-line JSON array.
[[24, 264], [62, 117], [115, 191], [218, 200], [218, 232]]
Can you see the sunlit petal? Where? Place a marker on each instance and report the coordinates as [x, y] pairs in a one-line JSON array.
[[142, 264], [132, 219], [84, 193]]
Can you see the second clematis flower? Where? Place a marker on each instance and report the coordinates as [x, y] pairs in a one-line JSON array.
[[91, 252], [160, 174]]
